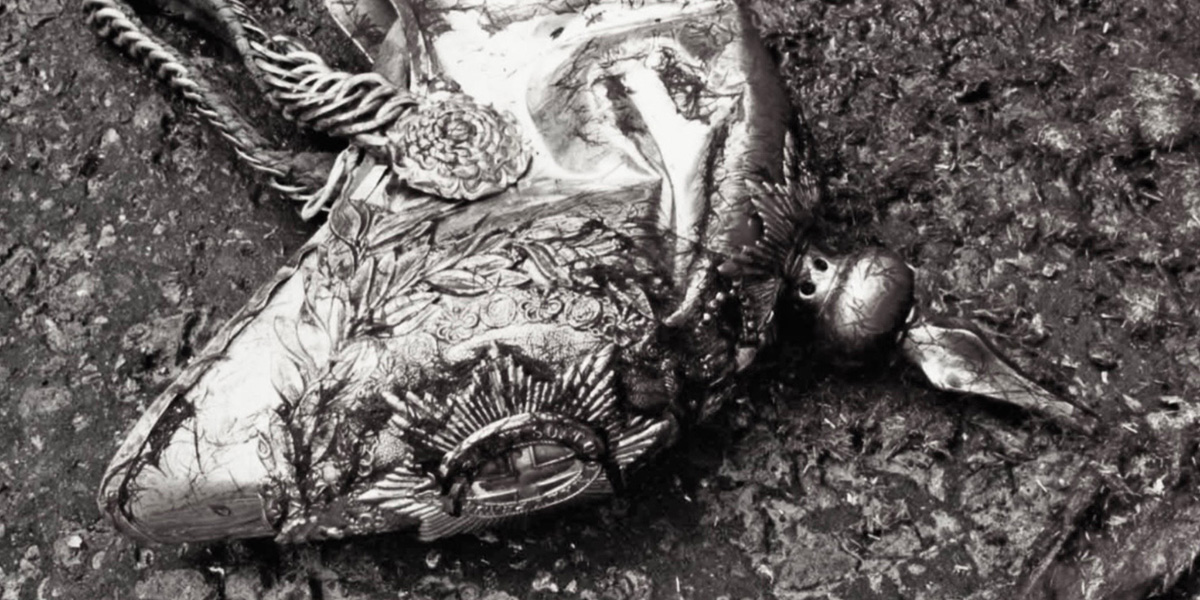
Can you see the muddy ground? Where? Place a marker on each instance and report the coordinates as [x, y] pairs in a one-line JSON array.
[[1039, 162]]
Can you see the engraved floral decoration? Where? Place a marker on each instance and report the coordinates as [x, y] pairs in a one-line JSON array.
[[385, 277], [453, 147], [456, 323]]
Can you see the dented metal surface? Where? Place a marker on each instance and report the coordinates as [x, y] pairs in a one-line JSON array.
[[445, 366]]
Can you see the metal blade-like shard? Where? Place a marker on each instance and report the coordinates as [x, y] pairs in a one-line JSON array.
[[954, 357]]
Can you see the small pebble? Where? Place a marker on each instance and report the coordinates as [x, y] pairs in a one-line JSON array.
[[544, 582], [108, 237], [1104, 359], [175, 584], [243, 584], [109, 139]]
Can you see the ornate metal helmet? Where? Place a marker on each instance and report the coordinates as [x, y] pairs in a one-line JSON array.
[[559, 233], [433, 363]]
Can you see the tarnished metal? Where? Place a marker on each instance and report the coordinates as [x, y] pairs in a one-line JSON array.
[[444, 366]]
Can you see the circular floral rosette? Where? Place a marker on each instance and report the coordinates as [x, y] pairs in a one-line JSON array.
[[456, 148]]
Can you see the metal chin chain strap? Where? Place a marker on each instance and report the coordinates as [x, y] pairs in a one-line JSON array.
[[420, 135]]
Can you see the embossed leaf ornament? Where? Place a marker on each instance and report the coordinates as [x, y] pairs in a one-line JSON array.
[[454, 147]]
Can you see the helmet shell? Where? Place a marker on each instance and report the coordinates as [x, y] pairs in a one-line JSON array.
[[444, 366]]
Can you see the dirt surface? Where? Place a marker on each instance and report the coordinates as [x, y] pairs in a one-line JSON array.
[[1038, 162]]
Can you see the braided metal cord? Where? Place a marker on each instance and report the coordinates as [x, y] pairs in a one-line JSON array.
[[289, 174], [377, 117], [307, 90], [366, 108]]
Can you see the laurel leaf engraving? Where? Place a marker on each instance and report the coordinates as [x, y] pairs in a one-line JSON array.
[[386, 232], [508, 278], [634, 298], [288, 371], [403, 315], [485, 264], [357, 360], [383, 282], [459, 282], [409, 267], [557, 227], [362, 282], [286, 378], [543, 262], [347, 221]]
